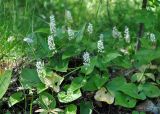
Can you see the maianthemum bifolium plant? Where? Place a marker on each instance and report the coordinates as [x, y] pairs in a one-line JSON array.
[[67, 67]]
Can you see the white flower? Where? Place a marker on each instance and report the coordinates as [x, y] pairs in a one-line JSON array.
[[40, 68], [52, 25], [100, 45], [152, 37], [90, 28], [116, 33], [51, 44], [11, 39], [86, 59], [126, 34], [28, 40], [70, 33], [68, 16], [101, 37]]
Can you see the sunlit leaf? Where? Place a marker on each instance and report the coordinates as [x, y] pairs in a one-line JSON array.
[[104, 95], [5, 79]]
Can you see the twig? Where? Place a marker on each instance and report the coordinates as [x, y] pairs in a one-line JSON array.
[[141, 27]]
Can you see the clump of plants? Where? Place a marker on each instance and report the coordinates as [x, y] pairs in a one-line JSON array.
[[73, 69]]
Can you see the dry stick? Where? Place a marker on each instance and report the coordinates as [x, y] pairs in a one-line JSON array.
[[141, 27]]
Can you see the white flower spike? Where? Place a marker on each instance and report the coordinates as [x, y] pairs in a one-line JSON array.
[[100, 44], [115, 33], [70, 33], [28, 40], [152, 37], [40, 68], [10, 39], [51, 44], [86, 59], [90, 28], [127, 35], [52, 25], [68, 16]]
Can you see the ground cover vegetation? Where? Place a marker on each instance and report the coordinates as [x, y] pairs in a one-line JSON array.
[[79, 56]]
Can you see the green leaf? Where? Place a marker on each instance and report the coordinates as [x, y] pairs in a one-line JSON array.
[[46, 101], [71, 109], [151, 90], [115, 84], [15, 98], [132, 90], [71, 51], [80, 34], [135, 112], [66, 97], [89, 69], [58, 64], [124, 100], [29, 79], [150, 76], [77, 83], [95, 82], [5, 79], [146, 56], [109, 57], [42, 30], [86, 107], [139, 77]]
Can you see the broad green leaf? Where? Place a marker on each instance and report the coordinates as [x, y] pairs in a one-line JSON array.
[[109, 57], [66, 97], [135, 112], [5, 79], [151, 90], [86, 107], [132, 90], [80, 34], [89, 69], [139, 77], [71, 51], [104, 95], [124, 100], [150, 76], [15, 98], [58, 64], [29, 79], [71, 109], [146, 56], [77, 83], [46, 101], [115, 84], [95, 82]]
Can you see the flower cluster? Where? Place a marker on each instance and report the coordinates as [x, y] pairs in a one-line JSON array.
[[126, 34], [100, 44], [52, 25], [68, 16], [11, 39], [90, 28], [152, 37], [51, 44], [116, 33], [28, 40], [70, 33], [40, 68], [86, 59]]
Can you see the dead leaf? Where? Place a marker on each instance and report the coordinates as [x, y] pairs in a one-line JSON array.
[[103, 95]]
